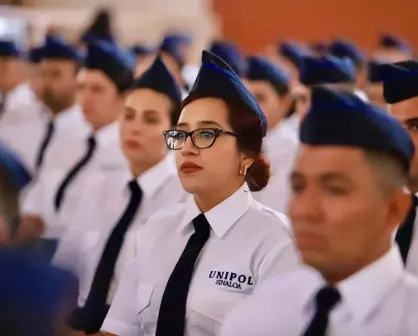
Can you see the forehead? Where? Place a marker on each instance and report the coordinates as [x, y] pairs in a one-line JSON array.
[[57, 64], [147, 98], [205, 109], [405, 110], [258, 86], [317, 160], [92, 76]]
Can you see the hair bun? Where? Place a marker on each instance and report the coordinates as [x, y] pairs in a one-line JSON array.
[[258, 174]]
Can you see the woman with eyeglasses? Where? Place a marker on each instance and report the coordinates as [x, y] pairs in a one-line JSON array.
[[193, 262]]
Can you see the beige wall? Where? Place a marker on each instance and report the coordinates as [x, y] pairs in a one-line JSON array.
[[142, 21]]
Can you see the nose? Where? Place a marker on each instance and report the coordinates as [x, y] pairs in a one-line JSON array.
[[188, 148], [305, 206]]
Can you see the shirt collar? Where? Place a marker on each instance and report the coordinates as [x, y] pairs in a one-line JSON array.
[[152, 179], [107, 134], [223, 216], [364, 290]]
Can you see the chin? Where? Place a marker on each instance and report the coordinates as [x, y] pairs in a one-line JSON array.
[[189, 184]]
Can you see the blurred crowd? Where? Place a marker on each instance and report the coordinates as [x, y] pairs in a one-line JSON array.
[[65, 110]]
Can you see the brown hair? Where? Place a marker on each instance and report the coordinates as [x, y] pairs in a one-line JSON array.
[[247, 127]]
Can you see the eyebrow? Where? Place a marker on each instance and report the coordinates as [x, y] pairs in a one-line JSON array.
[[201, 123], [325, 177], [130, 109]]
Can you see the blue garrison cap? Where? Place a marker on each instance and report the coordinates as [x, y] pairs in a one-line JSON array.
[[140, 50], [35, 55], [327, 70], [100, 28], [159, 79], [293, 52], [107, 57], [10, 49], [230, 54], [56, 48], [342, 119], [400, 80], [172, 44], [373, 72], [17, 171], [394, 42], [259, 68], [217, 79], [344, 48]]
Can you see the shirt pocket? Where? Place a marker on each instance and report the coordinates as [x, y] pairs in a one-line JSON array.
[[144, 293], [209, 309]]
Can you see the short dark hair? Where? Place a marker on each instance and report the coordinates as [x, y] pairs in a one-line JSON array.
[[389, 172]]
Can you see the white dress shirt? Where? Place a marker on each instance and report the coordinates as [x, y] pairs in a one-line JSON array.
[[100, 208], [280, 147], [26, 138], [379, 300], [248, 244], [21, 106], [39, 199]]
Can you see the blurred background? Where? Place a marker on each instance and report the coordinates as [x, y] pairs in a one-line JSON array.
[[255, 25]]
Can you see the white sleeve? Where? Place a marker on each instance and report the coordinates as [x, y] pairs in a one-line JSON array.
[[121, 319], [282, 258]]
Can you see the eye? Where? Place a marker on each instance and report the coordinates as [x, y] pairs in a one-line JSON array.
[[412, 125], [177, 135], [207, 134]]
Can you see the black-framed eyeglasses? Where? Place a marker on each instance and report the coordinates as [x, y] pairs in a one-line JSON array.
[[202, 138]]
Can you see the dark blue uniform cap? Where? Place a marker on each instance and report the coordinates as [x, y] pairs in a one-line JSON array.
[[342, 119], [216, 79], [159, 79], [327, 70], [230, 54], [400, 80]]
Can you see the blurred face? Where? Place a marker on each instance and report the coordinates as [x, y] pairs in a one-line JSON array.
[[407, 113], [302, 95], [284, 63], [99, 98], [58, 78], [337, 210], [146, 116], [375, 94], [214, 169], [273, 106], [9, 67]]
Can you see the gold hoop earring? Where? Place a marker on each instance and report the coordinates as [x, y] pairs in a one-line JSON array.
[[243, 170]]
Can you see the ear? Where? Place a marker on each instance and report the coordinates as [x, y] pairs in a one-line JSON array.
[[400, 203], [246, 160]]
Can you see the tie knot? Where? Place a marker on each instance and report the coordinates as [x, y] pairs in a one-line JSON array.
[[201, 226], [91, 141], [134, 187], [327, 298]]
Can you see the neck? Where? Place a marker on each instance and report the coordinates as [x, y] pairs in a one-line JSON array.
[[345, 270], [207, 200], [138, 168], [65, 106], [413, 185], [13, 86]]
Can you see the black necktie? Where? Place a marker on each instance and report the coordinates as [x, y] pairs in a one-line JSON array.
[[44, 145], [172, 316], [2, 104], [406, 230], [325, 301], [59, 196], [90, 317]]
